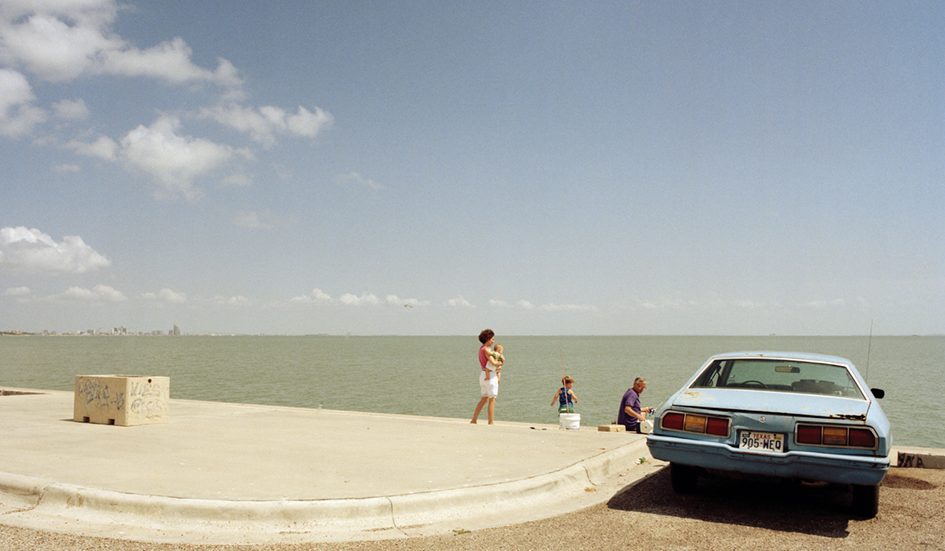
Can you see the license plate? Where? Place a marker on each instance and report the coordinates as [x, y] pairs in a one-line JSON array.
[[764, 442]]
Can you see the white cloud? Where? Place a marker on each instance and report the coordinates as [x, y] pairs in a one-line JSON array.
[[237, 180], [103, 148], [14, 89], [819, 304], [238, 300], [316, 296], [307, 123], [459, 302], [52, 49], [265, 123], [568, 308], [520, 304], [17, 292], [523, 304], [354, 300], [355, 178], [670, 304], [99, 293], [255, 220], [32, 250], [18, 116], [60, 41], [364, 299], [67, 168], [166, 295], [174, 161], [394, 300], [71, 109], [87, 12], [168, 61]]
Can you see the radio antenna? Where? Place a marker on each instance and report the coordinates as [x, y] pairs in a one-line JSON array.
[[869, 348]]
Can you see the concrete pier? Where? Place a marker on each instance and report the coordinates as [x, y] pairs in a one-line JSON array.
[[236, 473]]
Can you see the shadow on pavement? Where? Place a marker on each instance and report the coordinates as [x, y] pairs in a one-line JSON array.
[[899, 480], [784, 506]]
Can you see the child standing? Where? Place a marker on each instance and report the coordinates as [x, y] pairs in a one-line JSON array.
[[565, 396]]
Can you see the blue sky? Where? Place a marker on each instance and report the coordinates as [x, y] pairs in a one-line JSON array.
[[439, 167]]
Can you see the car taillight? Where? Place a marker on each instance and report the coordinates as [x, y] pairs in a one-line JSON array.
[[690, 422], [862, 438], [673, 421], [695, 423], [717, 426], [836, 436], [808, 434]]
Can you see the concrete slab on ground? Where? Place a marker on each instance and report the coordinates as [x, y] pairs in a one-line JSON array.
[[237, 473]]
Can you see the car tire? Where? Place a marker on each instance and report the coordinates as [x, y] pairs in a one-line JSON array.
[[684, 478], [865, 501]]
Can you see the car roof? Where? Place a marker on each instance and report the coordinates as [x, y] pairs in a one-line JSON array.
[[802, 356]]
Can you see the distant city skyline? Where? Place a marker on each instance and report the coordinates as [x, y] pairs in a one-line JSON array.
[[119, 330], [429, 168]]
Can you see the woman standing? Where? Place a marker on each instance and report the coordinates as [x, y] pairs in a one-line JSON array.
[[488, 387]]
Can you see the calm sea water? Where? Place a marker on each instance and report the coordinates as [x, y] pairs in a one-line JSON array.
[[437, 376]]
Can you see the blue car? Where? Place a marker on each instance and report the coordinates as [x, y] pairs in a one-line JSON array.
[[792, 415]]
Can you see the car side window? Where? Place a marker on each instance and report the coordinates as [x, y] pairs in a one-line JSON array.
[[710, 377]]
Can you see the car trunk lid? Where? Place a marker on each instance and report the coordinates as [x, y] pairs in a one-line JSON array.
[[799, 405]]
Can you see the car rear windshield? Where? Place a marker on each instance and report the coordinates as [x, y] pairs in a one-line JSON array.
[[780, 376]]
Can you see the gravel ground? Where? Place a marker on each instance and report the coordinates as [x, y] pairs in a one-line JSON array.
[[724, 514]]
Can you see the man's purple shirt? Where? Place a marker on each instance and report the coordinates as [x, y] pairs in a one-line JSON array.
[[632, 399]]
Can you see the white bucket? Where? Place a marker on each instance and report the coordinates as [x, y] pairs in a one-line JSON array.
[[646, 427], [570, 421]]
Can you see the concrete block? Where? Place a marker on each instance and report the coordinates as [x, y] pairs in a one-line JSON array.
[[611, 428], [123, 400], [918, 458]]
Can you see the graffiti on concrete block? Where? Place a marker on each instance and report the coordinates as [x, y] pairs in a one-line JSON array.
[[147, 399], [910, 460], [94, 393]]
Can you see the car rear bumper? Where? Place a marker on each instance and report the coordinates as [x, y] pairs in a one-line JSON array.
[[826, 467]]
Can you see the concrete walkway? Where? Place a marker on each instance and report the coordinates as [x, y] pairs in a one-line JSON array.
[[234, 473]]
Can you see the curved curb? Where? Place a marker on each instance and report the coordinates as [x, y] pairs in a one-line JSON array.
[[55, 506]]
